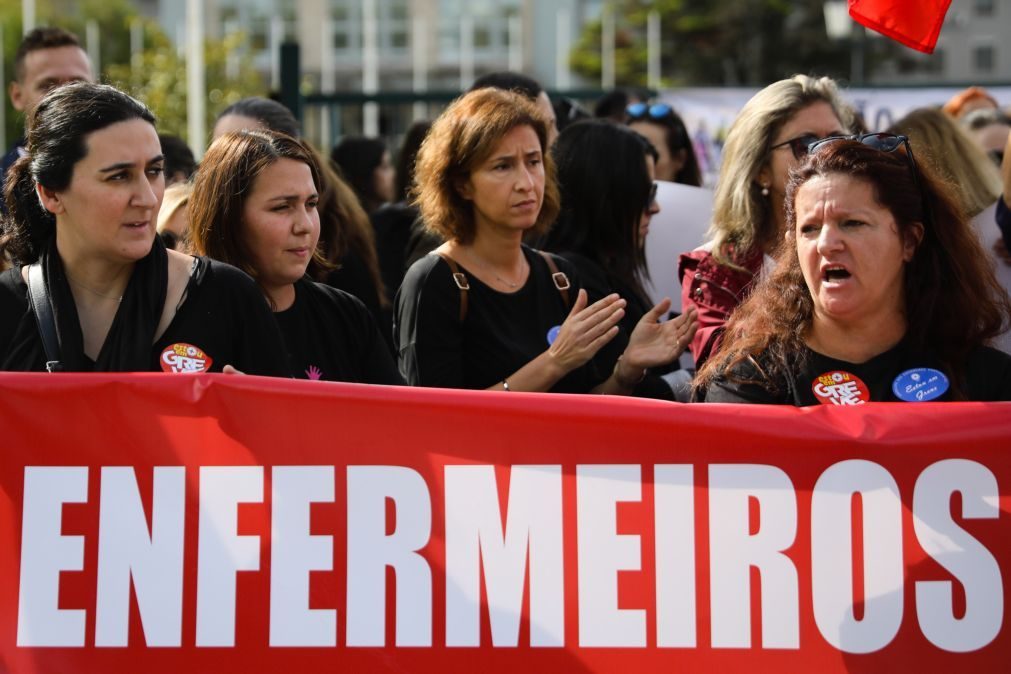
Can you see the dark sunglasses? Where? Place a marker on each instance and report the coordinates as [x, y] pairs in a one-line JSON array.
[[637, 111], [799, 145], [884, 142]]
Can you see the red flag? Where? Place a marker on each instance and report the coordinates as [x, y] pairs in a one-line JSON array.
[[914, 23]]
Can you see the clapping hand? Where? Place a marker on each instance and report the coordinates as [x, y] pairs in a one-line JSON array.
[[653, 343], [586, 330]]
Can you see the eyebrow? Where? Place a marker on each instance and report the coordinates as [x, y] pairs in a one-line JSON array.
[[128, 164], [292, 197]]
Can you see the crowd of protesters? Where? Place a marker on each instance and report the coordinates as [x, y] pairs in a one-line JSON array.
[[503, 247]]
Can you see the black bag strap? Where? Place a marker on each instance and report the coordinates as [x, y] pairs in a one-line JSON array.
[[461, 282], [559, 277], [42, 307]]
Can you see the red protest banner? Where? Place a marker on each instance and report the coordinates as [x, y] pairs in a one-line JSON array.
[[161, 524]]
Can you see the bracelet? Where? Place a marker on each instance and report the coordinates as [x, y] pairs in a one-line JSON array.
[[505, 385], [624, 384]]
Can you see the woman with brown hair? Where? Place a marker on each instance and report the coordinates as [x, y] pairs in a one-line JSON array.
[[347, 242], [255, 205], [484, 311], [882, 292]]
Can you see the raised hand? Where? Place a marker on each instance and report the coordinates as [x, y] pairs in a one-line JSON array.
[[586, 330], [653, 343]]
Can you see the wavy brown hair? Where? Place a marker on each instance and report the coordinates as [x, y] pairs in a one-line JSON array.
[[225, 180], [953, 302], [463, 136]]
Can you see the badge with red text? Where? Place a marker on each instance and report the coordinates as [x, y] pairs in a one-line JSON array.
[[840, 388], [185, 358]]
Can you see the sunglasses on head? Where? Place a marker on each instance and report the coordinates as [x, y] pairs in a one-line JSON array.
[[637, 111], [884, 142]]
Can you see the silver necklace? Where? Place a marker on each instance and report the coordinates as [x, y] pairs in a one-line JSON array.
[[93, 292], [499, 278]]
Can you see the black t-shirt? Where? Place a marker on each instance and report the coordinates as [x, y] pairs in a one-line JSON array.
[[899, 374], [223, 320], [331, 335], [598, 284], [501, 332]]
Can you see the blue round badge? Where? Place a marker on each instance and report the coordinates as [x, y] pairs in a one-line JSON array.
[[553, 334], [920, 385]]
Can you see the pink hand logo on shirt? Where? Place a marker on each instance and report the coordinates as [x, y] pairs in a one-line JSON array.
[[314, 373]]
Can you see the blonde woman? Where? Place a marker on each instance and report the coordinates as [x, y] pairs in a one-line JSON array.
[[769, 137], [954, 156]]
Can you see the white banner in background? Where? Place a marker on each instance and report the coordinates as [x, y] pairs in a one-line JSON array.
[[709, 112]]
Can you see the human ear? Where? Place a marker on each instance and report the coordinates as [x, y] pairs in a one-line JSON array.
[[464, 188], [764, 179], [49, 199], [17, 95], [911, 240]]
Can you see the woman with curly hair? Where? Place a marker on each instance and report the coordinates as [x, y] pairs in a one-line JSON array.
[[882, 292], [769, 137], [484, 311]]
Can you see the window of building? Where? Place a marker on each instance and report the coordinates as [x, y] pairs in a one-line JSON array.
[[984, 7], [983, 58]]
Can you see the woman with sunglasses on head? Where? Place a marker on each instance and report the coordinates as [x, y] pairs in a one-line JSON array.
[[484, 311], [881, 292], [94, 288], [602, 227], [769, 137], [660, 125], [254, 205]]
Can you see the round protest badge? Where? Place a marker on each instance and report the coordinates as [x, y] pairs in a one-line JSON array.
[[185, 358], [840, 388], [920, 385], [553, 334]]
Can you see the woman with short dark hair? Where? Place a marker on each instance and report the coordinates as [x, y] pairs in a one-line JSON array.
[[94, 288], [882, 292]]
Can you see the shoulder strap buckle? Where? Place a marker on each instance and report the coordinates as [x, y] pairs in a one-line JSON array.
[[461, 280], [561, 280]]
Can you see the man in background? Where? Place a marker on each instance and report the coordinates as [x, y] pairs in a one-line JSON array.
[[46, 58]]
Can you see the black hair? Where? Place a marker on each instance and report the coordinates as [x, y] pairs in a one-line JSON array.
[[178, 156], [605, 186], [43, 37], [271, 114], [676, 135], [357, 157], [509, 81], [568, 112], [408, 153], [57, 134]]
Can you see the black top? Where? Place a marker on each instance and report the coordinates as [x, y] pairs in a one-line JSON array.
[[501, 333], [330, 334], [223, 320], [353, 276], [599, 284], [897, 374], [392, 227]]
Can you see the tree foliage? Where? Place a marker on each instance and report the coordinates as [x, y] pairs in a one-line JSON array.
[[716, 42], [159, 78]]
